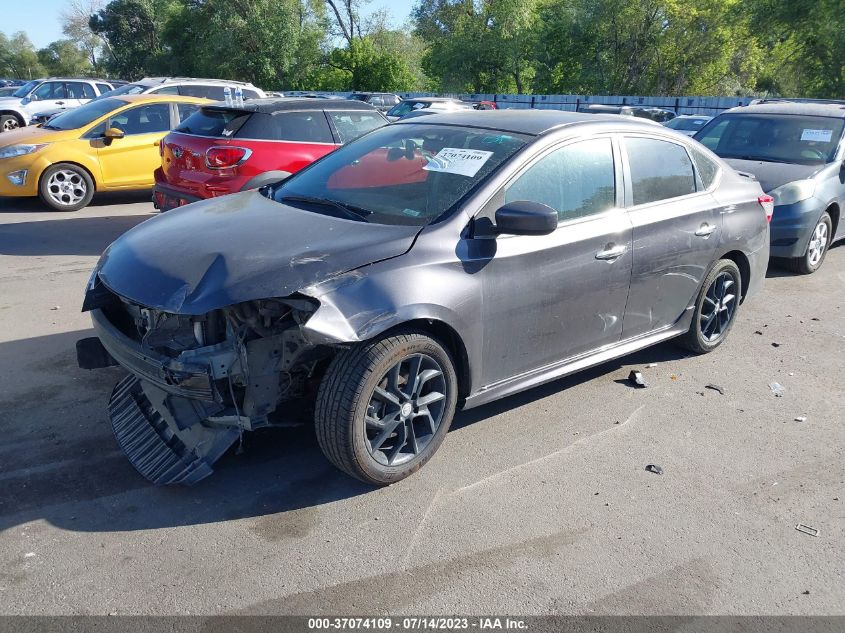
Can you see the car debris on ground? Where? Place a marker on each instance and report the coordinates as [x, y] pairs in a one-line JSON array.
[[636, 379], [777, 389], [806, 529]]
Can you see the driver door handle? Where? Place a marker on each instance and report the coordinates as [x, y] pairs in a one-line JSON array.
[[705, 230], [611, 253]]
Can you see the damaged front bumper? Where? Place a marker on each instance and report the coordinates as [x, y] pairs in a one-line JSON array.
[[180, 410]]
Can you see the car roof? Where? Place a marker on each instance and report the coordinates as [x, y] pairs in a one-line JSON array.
[[273, 105], [158, 98], [157, 81], [434, 99], [793, 107], [531, 122]]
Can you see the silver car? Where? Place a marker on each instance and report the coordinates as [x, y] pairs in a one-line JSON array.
[[434, 264]]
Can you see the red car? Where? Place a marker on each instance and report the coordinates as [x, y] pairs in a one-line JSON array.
[[223, 149]]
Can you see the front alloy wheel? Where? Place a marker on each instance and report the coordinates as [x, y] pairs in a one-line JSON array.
[[816, 248], [385, 406]]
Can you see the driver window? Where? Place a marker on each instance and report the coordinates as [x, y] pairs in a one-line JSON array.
[[145, 119], [577, 180]]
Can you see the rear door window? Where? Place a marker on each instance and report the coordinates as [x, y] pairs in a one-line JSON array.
[[660, 170], [351, 125], [103, 88], [167, 90], [214, 122], [301, 127], [79, 90], [186, 109]]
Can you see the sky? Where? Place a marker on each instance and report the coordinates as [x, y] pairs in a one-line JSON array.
[[40, 19]]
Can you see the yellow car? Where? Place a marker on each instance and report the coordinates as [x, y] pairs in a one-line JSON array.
[[109, 144]]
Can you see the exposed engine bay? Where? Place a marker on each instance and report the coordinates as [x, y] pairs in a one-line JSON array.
[[201, 381]]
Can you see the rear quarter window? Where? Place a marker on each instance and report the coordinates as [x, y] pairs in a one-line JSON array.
[[301, 127], [707, 169], [214, 122]]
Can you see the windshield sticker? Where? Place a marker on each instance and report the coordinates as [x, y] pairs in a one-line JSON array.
[[819, 136], [455, 160]]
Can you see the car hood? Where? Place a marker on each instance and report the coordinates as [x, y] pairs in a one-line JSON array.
[[240, 247], [773, 175], [35, 135]]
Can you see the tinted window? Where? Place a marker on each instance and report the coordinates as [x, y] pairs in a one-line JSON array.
[[214, 122], [405, 107], [250, 94], [24, 89], [128, 89], [306, 127], [659, 170], [682, 123], [351, 125], [167, 90], [79, 90], [85, 114], [213, 92], [186, 109], [103, 88], [776, 138], [145, 119], [707, 169], [49, 90], [576, 180]]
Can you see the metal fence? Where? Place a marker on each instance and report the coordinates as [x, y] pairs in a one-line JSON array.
[[679, 105]]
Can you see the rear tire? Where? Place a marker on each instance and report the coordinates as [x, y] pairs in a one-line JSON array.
[[376, 422], [65, 187], [715, 308], [817, 248]]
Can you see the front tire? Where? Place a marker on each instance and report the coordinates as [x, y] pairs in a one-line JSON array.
[[9, 122], [65, 187], [715, 308], [385, 406], [816, 248]]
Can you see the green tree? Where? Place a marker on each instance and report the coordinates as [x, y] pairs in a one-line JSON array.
[[75, 19], [132, 31], [18, 57], [63, 58]]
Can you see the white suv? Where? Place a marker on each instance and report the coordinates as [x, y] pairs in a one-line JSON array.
[[54, 93], [185, 86]]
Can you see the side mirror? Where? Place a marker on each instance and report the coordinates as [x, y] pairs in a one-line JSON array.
[[113, 133], [522, 217]]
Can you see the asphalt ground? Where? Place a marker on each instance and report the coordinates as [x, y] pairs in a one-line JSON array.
[[536, 504]]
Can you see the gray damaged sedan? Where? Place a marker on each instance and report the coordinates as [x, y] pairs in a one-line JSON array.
[[436, 264]]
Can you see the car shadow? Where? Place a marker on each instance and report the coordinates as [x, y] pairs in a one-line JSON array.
[[34, 205], [67, 236], [60, 463]]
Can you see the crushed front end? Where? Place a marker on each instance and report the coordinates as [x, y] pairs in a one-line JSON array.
[[197, 382]]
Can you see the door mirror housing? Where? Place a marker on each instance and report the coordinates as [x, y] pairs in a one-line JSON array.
[[523, 217], [113, 133]]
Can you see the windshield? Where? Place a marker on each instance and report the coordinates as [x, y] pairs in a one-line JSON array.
[[128, 89], [686, 124], [405, 107], [83, 115], [21, 92], [401, 174], [776, 138]]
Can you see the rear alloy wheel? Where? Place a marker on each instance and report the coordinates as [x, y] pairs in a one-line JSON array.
[[65, 187], [8, 123], [385, 406], [715, 309], [816, 248]]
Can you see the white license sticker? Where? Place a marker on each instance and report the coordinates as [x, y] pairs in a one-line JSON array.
[[455, 160], [819, 136]]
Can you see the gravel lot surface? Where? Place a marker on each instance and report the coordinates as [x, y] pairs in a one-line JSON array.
[[536, 504]]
